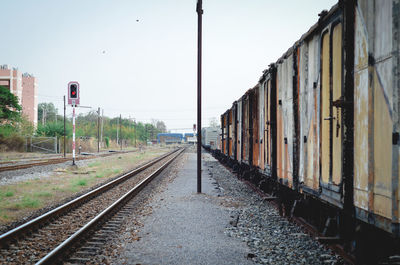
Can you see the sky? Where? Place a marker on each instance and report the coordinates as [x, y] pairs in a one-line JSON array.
[[139, 58]]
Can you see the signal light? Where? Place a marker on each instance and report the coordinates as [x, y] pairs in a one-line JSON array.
[[73, 91]]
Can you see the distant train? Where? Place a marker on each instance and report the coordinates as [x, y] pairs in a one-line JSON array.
[[210, 137], [320, 129]]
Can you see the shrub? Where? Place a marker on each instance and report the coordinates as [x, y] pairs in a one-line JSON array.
[[13, 142], [107, 140]]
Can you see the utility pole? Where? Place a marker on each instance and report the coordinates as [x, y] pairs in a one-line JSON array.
[[117, 131], [43, 114], [134, 127], [102, 122], [199, 10], [98, 130], [120, 129], [64, 125]]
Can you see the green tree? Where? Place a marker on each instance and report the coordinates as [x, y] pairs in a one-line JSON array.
[[10, 110], [52, 129], [47, 112]]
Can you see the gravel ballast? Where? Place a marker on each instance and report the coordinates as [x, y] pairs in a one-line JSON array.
[[271, 238]]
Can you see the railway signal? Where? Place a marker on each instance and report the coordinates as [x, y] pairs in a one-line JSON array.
[[73, 100], [73, 93]]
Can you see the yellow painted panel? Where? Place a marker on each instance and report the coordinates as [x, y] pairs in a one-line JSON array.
[[383, 127], [383, 206], [310, 158], [361, 131], [325, 105], [337, 112], [398, 202], [361, 199]]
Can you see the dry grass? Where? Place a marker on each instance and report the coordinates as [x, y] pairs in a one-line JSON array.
[[20, 199]]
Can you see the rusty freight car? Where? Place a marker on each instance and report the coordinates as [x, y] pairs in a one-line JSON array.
[[320, 130]]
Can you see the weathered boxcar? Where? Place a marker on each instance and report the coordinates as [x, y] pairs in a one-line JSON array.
[[286, 140], [376, 113], [267, 106], [323, 122]]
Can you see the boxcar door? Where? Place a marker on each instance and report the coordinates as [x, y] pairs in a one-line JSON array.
[[331, 111], [268, 131], [255, 123]]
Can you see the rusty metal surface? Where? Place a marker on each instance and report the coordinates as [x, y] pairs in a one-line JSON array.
[[239, 130], [376, 112], [285, 119], [255, 126]]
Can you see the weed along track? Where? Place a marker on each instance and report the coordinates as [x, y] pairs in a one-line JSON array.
[[58, 230]]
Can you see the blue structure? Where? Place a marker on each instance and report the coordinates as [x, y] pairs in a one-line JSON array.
[[187, 135], [169, 138]]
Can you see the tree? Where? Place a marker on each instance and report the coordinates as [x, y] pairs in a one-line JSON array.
[[213, 122], [52, 129], [161, 127], [10, 110], [47, 112]]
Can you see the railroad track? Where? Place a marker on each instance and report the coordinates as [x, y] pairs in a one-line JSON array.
[[49, 238], [49, 161]]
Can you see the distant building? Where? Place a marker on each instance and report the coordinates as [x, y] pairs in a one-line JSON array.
[[169, 138], [24, 86], [190, 138]]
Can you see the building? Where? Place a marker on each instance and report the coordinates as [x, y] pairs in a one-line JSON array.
[[24, 86], [169, 138]]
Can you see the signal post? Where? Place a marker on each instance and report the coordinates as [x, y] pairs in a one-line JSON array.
[[73, 100]]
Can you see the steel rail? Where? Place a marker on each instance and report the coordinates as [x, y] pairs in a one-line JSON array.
[[56, 254], [32, 224], [50, 161]]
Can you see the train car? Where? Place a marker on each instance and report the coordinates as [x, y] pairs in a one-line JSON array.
[[376, 113], [323, 122], [224, 134], [239, 131], [267, 106], [209, 137], [229, 136]]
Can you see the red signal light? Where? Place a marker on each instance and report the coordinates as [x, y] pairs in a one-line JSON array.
[[73, 91]]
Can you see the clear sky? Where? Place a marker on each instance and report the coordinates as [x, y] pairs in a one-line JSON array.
[[139, 58]]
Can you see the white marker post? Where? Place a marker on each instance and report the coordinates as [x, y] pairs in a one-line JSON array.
[[73, 133], [73, 99]]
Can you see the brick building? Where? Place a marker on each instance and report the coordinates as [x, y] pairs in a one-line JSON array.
[[24, 86]]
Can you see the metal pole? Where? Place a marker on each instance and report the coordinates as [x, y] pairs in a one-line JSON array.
[[73, 134], [98, 131], [117, 131], [120, 130], [102, 123], [64, 125], [199, 10]]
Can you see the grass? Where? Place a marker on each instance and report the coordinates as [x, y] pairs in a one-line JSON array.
[[27, 202], [94, 164], [19, 199], [79, 182], [44, 194]]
